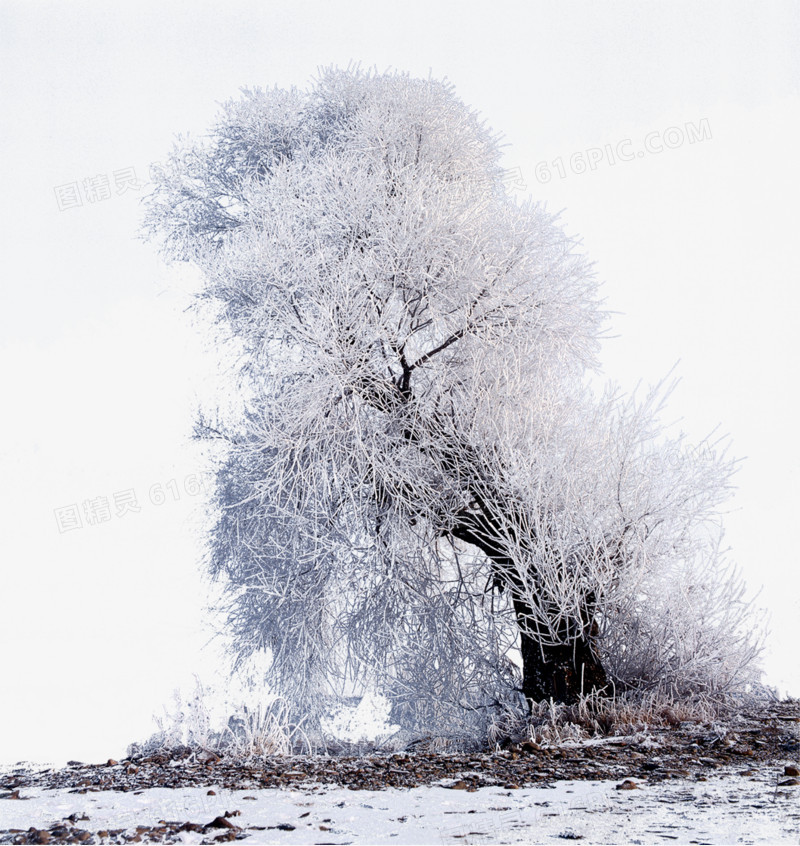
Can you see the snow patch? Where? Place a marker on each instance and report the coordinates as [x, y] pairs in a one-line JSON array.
[[367, 721]]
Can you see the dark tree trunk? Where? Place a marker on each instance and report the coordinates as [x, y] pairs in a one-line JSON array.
[[561, 673]]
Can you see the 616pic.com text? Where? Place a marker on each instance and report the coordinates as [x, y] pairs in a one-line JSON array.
[[653, 143]]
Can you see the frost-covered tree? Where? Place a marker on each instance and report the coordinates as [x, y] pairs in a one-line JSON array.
[[422, 493]]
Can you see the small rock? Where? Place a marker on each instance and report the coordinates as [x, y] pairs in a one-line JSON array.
[[220, 822], [211, 793], [789, 782], [190, 826], [111, 762], [791, 770], [284, 827], [628, 784]]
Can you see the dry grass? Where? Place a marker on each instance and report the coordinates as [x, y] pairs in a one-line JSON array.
[[242, 731], [594, 716], [267, 728]]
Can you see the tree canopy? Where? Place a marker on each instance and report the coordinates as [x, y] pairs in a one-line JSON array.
[[423, 493]]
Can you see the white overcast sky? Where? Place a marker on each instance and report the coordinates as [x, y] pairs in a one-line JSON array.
[[690, 115]]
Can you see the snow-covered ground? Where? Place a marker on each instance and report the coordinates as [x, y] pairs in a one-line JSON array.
[[727, 808]]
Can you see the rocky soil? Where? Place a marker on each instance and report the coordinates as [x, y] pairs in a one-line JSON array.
[[753, 745]]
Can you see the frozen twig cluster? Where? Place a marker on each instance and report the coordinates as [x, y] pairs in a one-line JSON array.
[[422, 495]]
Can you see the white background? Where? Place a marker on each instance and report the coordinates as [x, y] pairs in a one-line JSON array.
[[100, 369]]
